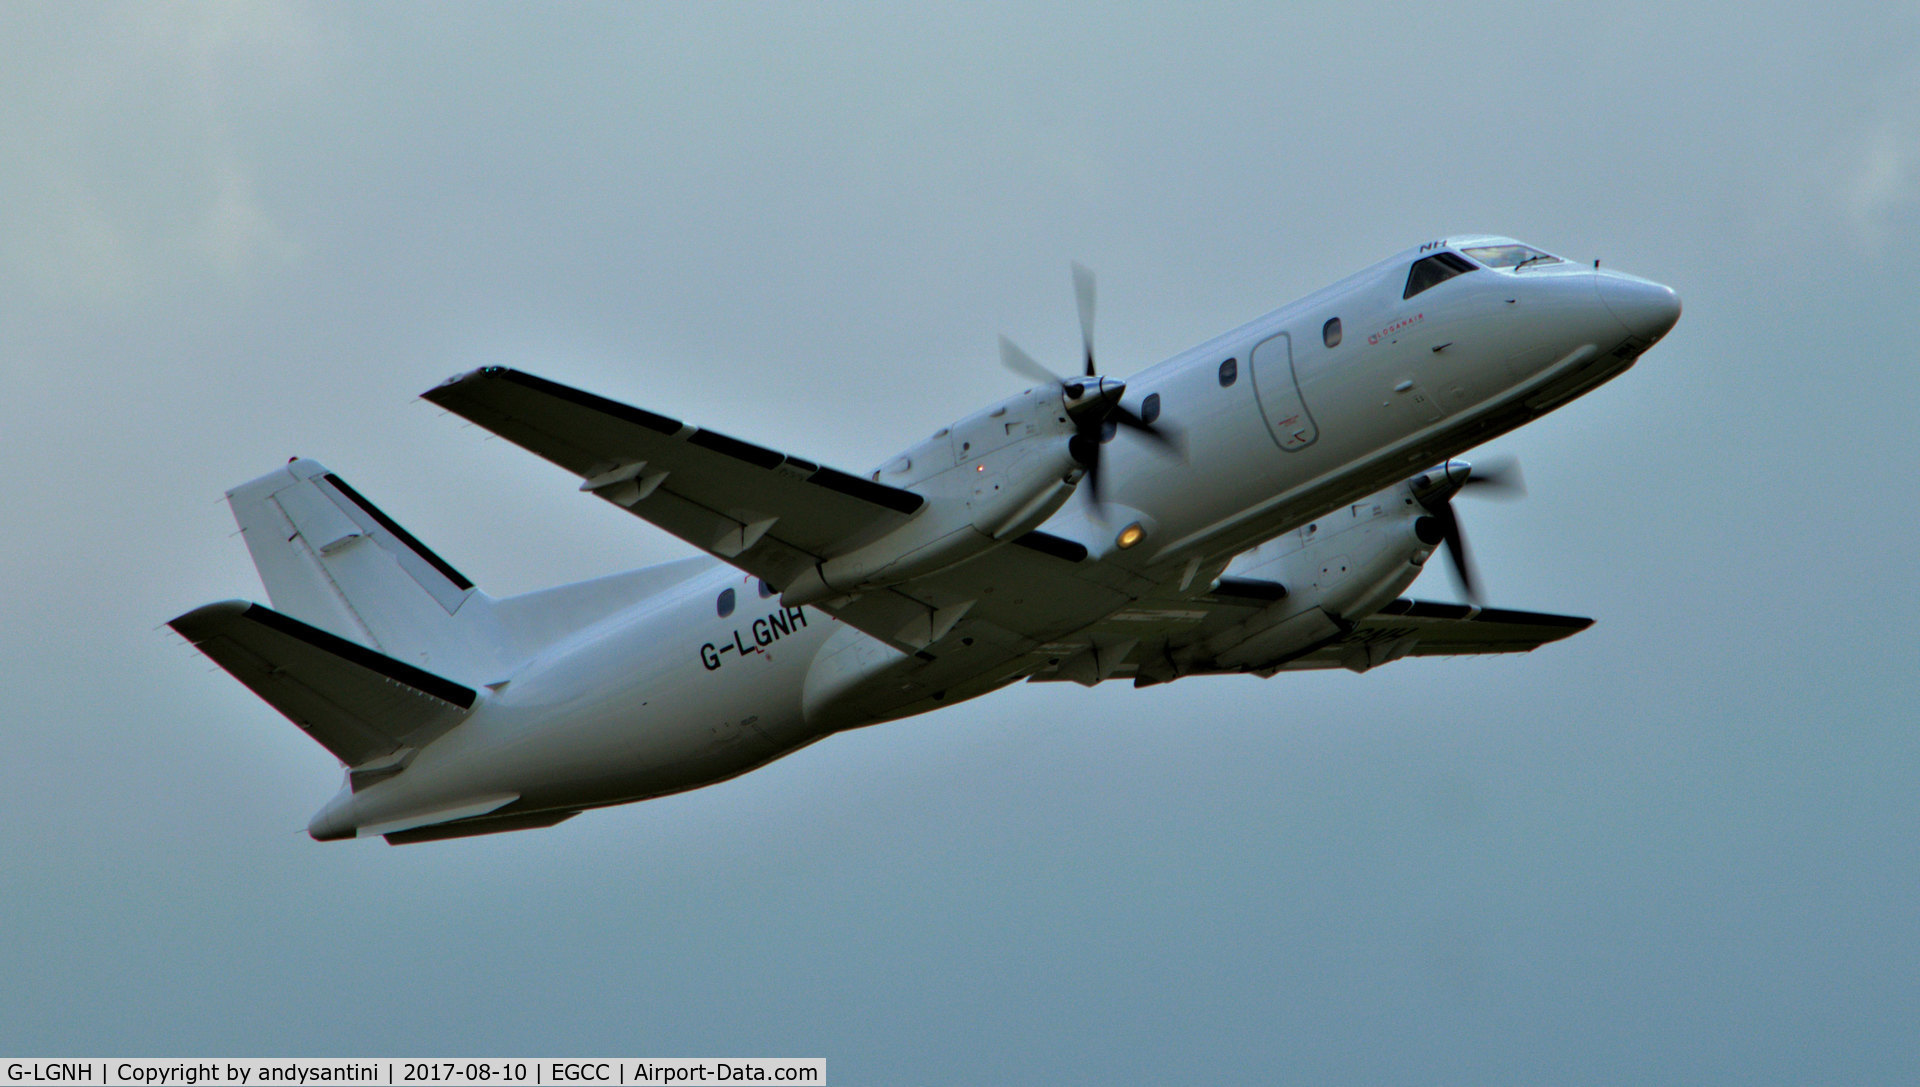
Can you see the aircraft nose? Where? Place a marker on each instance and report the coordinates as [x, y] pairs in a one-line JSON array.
[[1646, 308]]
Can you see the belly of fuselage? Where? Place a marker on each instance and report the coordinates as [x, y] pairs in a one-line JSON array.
[[671, 697]]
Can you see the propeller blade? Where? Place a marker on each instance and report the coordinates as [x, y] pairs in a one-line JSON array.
[[1085, 450], [1497, 477], [1161, 436], [1083, 294], [1026, 365], [1456, 544], [1084, 447], [1096, 417]]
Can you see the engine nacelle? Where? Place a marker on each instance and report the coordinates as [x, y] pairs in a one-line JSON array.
[[987, 479], [1342, 567]]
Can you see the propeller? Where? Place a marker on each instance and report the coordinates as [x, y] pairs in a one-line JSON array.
[[1496, 477], [1092, 401], [1083, 297]]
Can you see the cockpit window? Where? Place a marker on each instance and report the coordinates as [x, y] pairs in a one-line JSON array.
[[1510, 256], [1428, 271]]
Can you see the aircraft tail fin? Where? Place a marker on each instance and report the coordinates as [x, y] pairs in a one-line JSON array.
[[375, 645], [361, 705], [333, 560]]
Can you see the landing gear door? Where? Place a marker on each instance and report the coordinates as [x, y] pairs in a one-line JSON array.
[[1274, 385]]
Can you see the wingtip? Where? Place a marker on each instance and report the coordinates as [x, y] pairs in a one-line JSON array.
[[467, 377], [195, 625]]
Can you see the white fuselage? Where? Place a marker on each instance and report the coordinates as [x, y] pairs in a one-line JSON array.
[[1278, 428]]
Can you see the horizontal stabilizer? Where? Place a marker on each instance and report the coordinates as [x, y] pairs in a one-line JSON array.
[[357, 703]]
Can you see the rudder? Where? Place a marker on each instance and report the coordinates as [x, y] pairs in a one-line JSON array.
[[332, 559]]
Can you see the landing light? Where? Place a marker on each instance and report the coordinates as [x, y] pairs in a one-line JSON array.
[[1130, 535]]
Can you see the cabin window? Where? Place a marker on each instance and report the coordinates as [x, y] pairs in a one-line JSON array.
[[725, 604], [1229, 372], [1434, 270], [1150, 408], [1330, 332], [766, 590]]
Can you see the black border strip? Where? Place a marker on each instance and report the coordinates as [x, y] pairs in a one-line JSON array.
[[401, 672], [867, 490], [720, 443], [1048, 544], [627, 412], [406, 538]]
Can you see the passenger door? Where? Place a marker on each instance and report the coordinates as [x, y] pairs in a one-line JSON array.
[[1278, 391]]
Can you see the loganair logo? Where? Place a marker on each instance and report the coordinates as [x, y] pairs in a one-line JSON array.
[[1403, 323]]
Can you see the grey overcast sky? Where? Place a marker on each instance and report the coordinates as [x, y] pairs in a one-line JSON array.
[[1680, 848]]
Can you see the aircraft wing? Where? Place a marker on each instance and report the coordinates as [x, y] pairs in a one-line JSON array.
[[1403, 628], [774, 515], [768, 513], [1417, 628]]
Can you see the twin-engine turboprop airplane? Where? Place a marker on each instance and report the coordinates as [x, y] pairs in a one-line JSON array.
[[1254, 505]]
